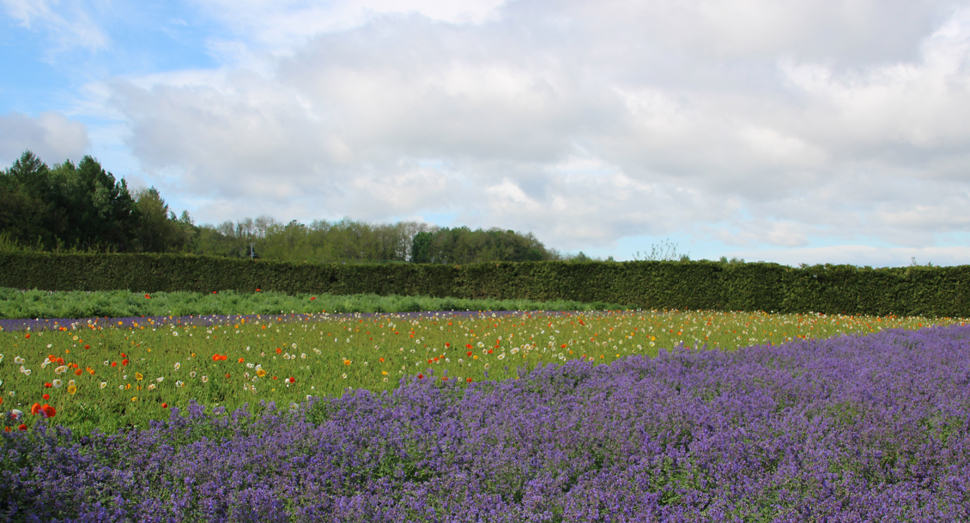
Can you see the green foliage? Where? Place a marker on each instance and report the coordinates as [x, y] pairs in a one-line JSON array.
[[81, 207], [27, 212], [99, 209], [157, 229], [463, 245], [681, 285], [421, 245]]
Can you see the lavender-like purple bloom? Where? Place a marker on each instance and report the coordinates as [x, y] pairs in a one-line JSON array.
[[873, 428]]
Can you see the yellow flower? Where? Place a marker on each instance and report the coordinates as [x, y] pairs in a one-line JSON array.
[[260, 373], [384, 372], [138, 376], [134, 399], [127, 386], [71, 389]]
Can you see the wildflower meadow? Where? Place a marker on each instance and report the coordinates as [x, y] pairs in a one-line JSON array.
[[622, 415]]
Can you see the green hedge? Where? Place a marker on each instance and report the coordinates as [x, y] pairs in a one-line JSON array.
[[927, 291]]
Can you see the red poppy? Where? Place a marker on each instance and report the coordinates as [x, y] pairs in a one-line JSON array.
[[279, 350], [240, 360], [123, 355], [313, 298], [292, 380], [28, 336], [489, 351], [164, 405], [87, 346], [382, 360], [430, 361], [78, 372], [469, 380], [213, 292], [147, 297], [563, 346], [60, 361], [420, 376], [6, 429], [47, 396], [48, 410], [468, 345], [215, 357], [35, 408], [444, 378], [114, 363], [227, 375], [257, 290], [124, 362], [48, 385], [447, 345], [22, 427], [469, 353]]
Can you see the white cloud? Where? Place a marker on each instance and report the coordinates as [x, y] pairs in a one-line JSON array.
[[754, 123], [67, 23], [277, 27], [50, 136]]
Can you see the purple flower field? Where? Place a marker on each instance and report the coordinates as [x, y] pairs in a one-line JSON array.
[[847, 429]]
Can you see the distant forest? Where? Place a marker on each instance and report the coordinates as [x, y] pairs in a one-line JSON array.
[[84, 208]]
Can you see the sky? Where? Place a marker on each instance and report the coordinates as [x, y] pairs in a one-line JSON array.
[[803, 131]]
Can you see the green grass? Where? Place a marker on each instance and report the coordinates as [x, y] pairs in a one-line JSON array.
[[15, 304]]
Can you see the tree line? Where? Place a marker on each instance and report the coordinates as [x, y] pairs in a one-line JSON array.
[[68, 207]]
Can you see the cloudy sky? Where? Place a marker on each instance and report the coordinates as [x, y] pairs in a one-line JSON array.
[[803, 131]]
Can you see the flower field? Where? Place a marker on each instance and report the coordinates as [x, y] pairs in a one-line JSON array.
[[497, 416], [856, 428], [123, 372]]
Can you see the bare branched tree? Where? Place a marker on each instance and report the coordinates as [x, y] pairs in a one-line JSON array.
[[663, 251]]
